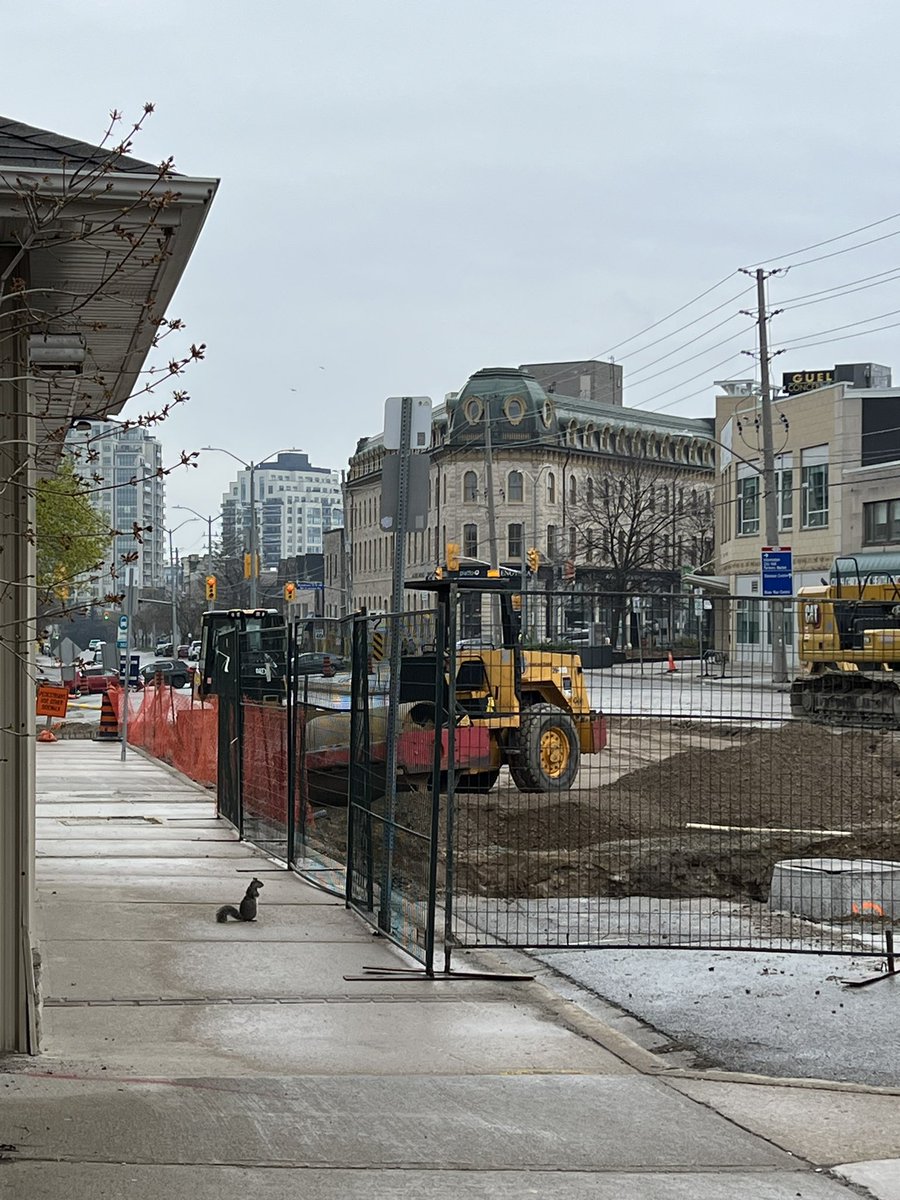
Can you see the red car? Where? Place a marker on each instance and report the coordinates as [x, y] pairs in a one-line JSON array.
[[90, 680]]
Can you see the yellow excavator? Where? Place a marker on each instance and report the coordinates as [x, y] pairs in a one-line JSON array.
[[849, 645]]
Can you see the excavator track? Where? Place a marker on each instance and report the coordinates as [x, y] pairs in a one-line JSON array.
[[847, 699]]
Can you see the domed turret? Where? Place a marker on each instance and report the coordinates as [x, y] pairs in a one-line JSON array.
[[518, 408]]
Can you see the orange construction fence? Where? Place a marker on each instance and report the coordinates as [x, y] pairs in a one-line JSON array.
[[174, 727]]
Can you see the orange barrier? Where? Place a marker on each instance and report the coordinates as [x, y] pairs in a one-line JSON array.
[[174, 727]]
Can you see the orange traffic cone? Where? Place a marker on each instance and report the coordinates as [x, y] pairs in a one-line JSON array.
[[671, 668], [109, 723]]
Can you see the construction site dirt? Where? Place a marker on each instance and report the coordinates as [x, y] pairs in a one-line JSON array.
[[673, 809]]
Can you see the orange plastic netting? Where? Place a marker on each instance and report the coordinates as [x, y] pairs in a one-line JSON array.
[[176, 728]]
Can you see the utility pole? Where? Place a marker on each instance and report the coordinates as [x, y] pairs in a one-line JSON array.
[[489, 478], [174, 614], [779, 655], [253, 553]]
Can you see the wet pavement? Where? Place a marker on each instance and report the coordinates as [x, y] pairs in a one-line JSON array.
[[184, 1057]]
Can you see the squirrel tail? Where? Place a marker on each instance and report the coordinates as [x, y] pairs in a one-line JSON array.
[[226, 911]]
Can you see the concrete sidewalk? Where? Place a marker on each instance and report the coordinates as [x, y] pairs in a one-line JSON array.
[[187, 1058]]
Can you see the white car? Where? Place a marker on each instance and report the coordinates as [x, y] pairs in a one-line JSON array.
[[96, 644]]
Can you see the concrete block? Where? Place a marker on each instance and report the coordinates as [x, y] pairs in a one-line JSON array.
[[832, 889]]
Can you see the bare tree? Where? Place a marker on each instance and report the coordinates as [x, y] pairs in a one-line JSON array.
[[637, 523]]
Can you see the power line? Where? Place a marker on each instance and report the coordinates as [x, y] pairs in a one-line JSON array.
[[828, 242], [662, 320]]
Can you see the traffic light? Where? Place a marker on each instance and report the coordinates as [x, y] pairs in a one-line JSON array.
[[533, 558], [247, 567], [453, 556], [290, 592], [210, 587]]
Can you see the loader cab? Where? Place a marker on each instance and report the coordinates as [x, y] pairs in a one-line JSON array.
[[218, 622]]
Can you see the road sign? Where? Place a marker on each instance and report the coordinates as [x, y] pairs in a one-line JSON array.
[[310, 585], [51, 701], [377, 646], [419, 475], [420, 423], [123, 621], [777, 570], [121, 643], [134, 667]]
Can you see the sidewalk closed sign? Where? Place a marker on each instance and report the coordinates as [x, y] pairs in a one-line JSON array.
[[51, 701], [777, 570]]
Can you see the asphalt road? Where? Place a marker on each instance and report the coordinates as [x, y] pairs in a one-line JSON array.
[[775, 1014]]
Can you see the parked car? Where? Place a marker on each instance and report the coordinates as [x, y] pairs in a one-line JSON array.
[[193, 653], [314, 664], [174, 672], [475, 643], [183, 651], [164, 650], [96, 644], [90, 680]]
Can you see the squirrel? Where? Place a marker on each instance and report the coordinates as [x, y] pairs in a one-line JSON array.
[[247, 911]]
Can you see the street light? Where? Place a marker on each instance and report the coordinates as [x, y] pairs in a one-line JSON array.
[[209, 524], [251, 467], [170, 532]]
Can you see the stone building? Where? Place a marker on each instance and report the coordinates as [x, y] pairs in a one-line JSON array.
[[515, 469]]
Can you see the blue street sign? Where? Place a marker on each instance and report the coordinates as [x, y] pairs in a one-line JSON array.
[[123, 621], [777, 569], [134, 667], [121, 643], [311, 585]]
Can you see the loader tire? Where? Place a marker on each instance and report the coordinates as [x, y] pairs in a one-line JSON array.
[[545, 751]]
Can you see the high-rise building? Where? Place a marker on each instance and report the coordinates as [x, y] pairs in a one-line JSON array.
[[295, 504], [130, 494]]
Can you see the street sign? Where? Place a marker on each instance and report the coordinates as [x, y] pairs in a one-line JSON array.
[[134, 667], [419, 469], [420, 422], [51, 701], [123, 621], [121, 643], [310, 585], [777, 570]]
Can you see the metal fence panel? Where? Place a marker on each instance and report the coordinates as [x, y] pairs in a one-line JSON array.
[[392, 852], [712, 817], [264, 750]]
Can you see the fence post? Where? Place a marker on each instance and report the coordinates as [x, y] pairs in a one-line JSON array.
[[451, 771], [442, 721], [291, 740]]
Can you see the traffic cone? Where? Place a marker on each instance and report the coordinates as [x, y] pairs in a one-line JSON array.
[[671, 668], [327, 668], [109, 723]]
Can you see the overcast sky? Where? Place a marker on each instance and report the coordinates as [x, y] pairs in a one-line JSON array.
[[414, 190]]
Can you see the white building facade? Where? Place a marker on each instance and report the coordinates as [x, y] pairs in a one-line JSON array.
[[295, 502], [129, 491]]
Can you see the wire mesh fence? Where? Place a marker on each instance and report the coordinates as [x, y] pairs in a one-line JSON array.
[[399, 742], [711, 814]]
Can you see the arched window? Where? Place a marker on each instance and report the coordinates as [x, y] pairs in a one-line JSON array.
[[551, 488], [515, 488], [470, 487], [573, 490]]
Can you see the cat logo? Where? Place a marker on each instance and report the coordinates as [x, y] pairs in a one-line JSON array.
[[812, 615]]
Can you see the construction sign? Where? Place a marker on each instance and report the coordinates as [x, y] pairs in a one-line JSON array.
[[378, 646], [51, 701]]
